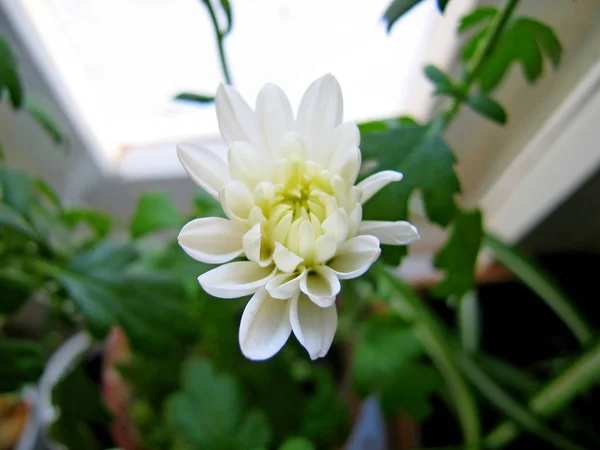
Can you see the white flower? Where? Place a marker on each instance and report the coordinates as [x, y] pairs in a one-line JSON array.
[[294, 214]]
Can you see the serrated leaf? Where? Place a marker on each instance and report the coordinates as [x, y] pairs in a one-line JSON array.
[[16, 188], [476, 17], [426, 161], [9, 79], [487, 106], [396, 10], [22, 363], [196, 98], [46, 122], [522, 42], [459, 255], [80, 411], [209, 412], [155, 212]]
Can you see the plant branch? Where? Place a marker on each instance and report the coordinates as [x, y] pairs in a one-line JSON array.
[[484, 50], [556, 395], [220, 36]]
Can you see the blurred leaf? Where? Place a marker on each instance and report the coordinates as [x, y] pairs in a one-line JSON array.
[[476, 17], [539, 282], [196, 98], [9, 79], [81, 412], [487, 106], [22, 363], [459, 255], [297, 443], [226, 5], [16, 188], [426, 161], [398, 8], [11, 218], [155, 211], [441, 80], [99, 222], [44, 190], [108, 291], [522, 42], [209, 412], [16, 287], [442, 4], [385, 363], [46, 122]]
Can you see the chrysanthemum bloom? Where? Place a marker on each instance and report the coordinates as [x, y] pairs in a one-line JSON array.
[[294, 214]]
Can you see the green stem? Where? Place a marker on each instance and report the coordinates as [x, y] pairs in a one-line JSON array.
[[485, 49], [437, 342], [555, 396], [220, 38]]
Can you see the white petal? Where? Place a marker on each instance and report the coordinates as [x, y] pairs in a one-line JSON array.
[[346, 163], [337, 224], [236, 279], [265, 326], [321, 285], [237, 200], [346, 135], [320, 111], [237, 121], [253, 246], [306, 240], [354, 257], [355, 219], [392, 233], [285, 285], [204, 166], [313, 326], [285, 259], [275, 117], [247, 164], [373, 184], [326, 246], [211, 240]]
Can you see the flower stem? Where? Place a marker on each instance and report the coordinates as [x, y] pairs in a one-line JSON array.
[[556, 395], [484, 50], [220, 36]]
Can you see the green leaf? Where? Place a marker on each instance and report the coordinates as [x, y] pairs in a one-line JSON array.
[[487, 106], [46, 193], [476, 17], [459, 256], [16, 188], [9, 79], [226, 5], [511, 408], [426, 161], [441, 80], [98, 221], [22, 363], [297, 443], [46, 122], [539, 282], [81, 411], [196, 98], [396, 10], [155, 211], [209, 412], [522, 42], [11, 218], [16, 287]]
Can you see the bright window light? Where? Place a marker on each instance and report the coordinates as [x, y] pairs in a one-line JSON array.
[[123, 61]]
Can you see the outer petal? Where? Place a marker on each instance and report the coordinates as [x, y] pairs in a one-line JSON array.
[[237, 121], [392, 233], [265, 326], [237, 200], [247, 164], [346, 163], [373, 184], [321, 285], [313, 326], [354, 257], [346, 135], [285, 285], [320, 111], [204, 166], [275, 116], [236, 279], [211, 240]]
